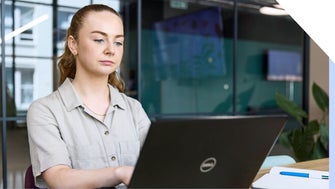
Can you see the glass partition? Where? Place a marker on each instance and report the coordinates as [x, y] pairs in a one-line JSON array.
[[186, 58], [30, 61], [64, 16], [113, 3], [35, 22], [77, 3], [269, 60], [188, 65], [40, 1]]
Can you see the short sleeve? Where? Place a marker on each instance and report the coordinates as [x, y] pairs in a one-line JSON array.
[[47, 148]]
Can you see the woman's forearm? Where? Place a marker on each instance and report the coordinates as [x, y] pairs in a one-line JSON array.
[[64, 177]]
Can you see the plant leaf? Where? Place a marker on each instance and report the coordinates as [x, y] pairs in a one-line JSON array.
[[284, 139], [312, 140], [302, 143], [290, 107], [319, 151], [324, 136], [313, 127], [321, 97]]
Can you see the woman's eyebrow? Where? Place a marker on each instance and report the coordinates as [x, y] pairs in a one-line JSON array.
[[105, 34]]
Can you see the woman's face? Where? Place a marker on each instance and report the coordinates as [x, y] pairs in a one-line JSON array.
[[99, 47]]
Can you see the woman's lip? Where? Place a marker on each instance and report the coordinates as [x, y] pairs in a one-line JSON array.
[[107, 62]]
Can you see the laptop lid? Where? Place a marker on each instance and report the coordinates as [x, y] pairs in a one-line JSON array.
[[205, 152]]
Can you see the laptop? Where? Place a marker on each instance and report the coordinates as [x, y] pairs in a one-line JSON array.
[[205, 152]]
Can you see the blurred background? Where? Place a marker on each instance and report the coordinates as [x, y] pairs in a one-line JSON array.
[[182, 57]]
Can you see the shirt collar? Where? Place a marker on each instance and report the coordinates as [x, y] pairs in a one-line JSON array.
[[117, 99], [72, 100]]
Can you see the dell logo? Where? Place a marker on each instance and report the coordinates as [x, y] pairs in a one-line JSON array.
[[207, 165]]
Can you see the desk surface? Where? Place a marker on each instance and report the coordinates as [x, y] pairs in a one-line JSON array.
[[319, 164]]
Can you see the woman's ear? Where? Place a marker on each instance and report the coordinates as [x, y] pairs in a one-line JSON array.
[[72, 44]]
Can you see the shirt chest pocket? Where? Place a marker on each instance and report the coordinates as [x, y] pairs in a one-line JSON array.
[[129, 152]]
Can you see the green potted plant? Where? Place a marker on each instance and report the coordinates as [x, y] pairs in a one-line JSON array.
[[309, 140]]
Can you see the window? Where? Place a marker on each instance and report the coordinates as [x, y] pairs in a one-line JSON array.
[[24, 86], [76, 3], [64, 19], [24, 15]]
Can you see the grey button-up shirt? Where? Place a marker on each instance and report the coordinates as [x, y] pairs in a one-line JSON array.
[[62, 131]]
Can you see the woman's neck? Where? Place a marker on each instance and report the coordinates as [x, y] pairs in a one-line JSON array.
[[94, 94], [90, 85]]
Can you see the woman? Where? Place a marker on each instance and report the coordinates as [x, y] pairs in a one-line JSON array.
[[87, 134]]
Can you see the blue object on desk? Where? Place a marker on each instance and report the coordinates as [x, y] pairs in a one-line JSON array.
[[306, 175], [277, 160]]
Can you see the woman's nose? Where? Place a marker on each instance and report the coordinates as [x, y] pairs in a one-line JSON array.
[[110, 49]]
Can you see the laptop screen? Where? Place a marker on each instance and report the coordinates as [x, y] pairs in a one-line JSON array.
[[205, 152]]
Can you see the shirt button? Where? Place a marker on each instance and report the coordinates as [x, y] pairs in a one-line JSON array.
[[113, 158], [106, 132]]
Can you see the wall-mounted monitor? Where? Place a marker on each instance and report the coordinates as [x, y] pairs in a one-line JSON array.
[[284, 65]]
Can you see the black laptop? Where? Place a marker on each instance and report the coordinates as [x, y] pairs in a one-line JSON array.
[[205, 152]]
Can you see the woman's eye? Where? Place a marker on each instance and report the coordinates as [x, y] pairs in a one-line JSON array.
[[99, 40], [118, 44]]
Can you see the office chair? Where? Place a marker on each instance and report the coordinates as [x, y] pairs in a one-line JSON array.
[[29, 182]]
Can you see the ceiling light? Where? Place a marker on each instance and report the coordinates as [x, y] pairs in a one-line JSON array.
[[272, 11], [26, 27]]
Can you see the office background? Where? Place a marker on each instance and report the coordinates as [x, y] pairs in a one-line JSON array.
[[181, 58]]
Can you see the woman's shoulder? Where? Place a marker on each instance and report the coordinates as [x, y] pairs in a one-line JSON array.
[[64, 94], [116, 93], [130, 100], [48, 100]]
